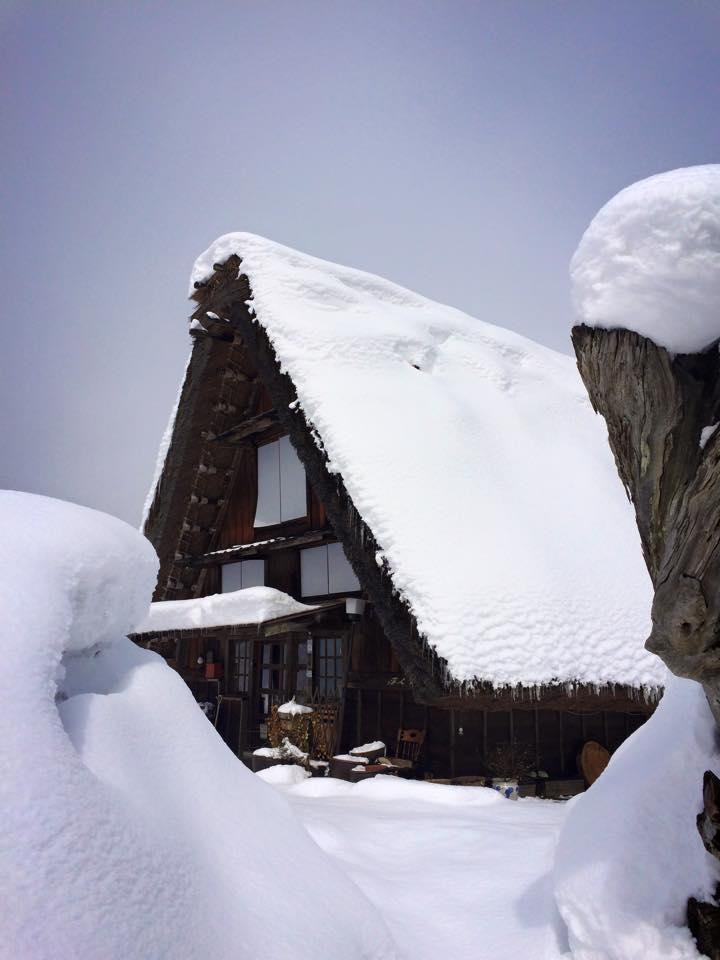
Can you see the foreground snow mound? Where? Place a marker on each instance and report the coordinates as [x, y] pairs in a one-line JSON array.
[[489, 431], [129, 830], [629, 855], [650, 261]]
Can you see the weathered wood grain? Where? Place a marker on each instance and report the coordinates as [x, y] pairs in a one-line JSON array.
[[655, 406]]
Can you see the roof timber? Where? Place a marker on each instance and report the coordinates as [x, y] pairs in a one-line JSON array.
[[249, 427], [242, 550]]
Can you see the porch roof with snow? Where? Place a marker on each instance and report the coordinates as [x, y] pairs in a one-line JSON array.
[[461, 465], [253, 606]]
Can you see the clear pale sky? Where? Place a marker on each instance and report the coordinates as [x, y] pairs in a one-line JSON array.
[[457, 148]]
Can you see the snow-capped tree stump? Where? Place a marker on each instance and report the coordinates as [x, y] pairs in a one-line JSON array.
[[660, 410]]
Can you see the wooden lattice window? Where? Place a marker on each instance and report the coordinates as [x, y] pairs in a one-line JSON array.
[[242, 665], [273, 679], [328, 666]]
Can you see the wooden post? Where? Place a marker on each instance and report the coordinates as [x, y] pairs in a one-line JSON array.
[[358, 716], [562, 745], [379, 715], [537, 740], [452, 743]]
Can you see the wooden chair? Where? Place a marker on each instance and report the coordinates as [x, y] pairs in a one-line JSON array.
[[408, 748]]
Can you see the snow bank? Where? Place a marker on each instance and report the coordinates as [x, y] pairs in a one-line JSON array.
[[441, 424], [629, 855], [252, 605], [650, 261], [129, 830]]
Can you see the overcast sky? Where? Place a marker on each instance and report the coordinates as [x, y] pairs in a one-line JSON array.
[[457, 148]]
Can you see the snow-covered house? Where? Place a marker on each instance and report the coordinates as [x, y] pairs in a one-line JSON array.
[[337, 436]]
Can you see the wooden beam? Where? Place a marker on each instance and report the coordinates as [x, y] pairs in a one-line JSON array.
[[260, 548], [248, 427]]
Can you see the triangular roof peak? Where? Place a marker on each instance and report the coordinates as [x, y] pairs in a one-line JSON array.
[[460, 463]]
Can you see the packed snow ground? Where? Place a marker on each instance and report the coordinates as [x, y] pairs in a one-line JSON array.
[[454, 871], [489, 431]]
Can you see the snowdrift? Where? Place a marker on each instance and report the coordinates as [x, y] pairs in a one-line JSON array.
[[629, 855], [129, 830]]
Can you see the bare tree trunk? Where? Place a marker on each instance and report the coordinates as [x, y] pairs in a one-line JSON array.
[[656, 407]]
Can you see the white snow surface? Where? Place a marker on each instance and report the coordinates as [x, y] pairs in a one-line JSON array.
[[286, 774], [367, 747], [474, 457], [129, 830], [629, 855], [251, 605], [650, 261], [163, 449], [454, 871], [706, 433], [294, 709]]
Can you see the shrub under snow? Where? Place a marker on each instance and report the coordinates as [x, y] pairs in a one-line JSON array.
[[129, 830], [650, 261]]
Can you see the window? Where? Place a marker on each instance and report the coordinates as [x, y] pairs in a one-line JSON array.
[[239, 576], [304, 668], [328, 666], [326, 570], [282, 488], [273, 690], [242, 665]]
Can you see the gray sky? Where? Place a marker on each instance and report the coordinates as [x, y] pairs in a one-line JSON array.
[[457, 148]]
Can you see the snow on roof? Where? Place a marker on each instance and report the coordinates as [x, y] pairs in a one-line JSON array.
[[252, 605], [163, 449], [650, 260], [474, 457]]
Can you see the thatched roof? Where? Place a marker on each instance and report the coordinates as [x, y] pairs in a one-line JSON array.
[[460, 466]]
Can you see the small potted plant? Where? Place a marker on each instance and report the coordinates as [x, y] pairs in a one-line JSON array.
[[508, 766]]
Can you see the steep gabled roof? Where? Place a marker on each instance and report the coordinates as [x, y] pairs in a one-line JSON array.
[[461, 465]]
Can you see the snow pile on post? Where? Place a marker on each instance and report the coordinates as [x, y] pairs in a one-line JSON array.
[[475, 459], [629, 855], [129, 829], [650, 261]]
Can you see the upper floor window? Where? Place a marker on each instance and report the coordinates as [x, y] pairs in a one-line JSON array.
[[239, 576], [282, 488], [326, 570]]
